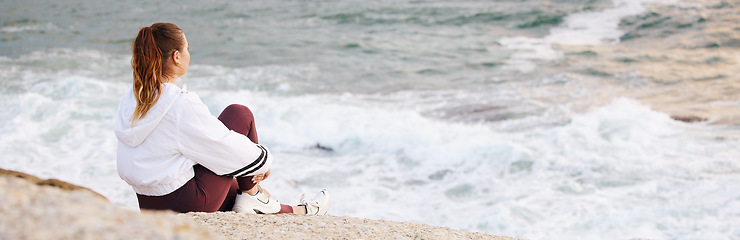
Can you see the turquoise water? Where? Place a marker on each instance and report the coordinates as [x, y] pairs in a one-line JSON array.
[[532, 119]]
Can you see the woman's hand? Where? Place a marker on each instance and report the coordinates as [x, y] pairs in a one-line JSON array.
[[261, 177]]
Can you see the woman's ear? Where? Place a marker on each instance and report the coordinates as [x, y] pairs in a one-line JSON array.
[[176, 57]]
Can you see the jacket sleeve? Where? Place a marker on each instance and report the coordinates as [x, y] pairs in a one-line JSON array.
[[204, 139]]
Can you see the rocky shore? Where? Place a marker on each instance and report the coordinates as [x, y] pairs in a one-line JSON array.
[[242, 226], [33, 208]]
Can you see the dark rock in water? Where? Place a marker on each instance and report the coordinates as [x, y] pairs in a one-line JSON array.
[[48, 182], [322, 147], [688, 118]]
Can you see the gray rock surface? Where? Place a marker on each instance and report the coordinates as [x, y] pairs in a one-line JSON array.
[[31, 211]]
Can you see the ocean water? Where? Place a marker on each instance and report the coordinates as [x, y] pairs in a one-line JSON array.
[[532, 119]]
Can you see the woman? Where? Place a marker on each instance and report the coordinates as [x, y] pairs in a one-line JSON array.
[[175, 154]]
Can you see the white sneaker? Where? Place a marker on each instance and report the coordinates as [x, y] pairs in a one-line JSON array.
[[319, 205], [257, 203]]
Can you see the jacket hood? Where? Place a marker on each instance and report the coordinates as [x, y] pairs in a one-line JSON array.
[[134, 134]]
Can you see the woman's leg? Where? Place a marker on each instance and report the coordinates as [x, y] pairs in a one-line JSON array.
[[203, 193], [240, 119]]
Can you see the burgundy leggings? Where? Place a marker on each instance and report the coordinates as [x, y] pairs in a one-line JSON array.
[[208, 192]]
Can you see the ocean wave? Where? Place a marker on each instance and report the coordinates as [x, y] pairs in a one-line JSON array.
[[522, 14], [29, 26]]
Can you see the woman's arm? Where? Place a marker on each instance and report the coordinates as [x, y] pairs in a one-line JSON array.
[[203, 138]]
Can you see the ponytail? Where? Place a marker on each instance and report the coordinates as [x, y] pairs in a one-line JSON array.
[[151, 48]]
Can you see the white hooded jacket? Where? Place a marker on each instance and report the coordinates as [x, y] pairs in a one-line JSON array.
[[156, 153]]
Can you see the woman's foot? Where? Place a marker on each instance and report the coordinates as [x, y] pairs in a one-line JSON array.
[[318, 205], [260, 202]]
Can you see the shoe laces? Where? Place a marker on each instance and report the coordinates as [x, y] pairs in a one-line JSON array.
[[307, 203]]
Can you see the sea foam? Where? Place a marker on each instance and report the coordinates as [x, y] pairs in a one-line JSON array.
[[601, 27], [610, 169]]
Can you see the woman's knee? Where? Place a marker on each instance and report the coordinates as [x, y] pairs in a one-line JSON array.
[[237, 110], [239, 118], [236, 116]]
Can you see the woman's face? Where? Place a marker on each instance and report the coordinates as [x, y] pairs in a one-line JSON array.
[[184, 57]]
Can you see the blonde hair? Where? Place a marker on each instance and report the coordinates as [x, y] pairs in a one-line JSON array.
[[151, 48]]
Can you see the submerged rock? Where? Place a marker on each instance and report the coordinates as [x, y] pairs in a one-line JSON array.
[[688, 118]]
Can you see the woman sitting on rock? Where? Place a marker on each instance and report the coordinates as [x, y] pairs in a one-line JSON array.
[[178, 156]]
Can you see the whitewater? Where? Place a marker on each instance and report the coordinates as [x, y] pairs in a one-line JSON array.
[[513, 118]]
